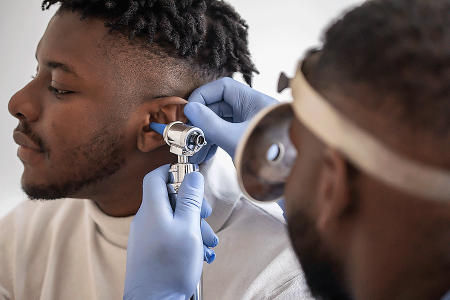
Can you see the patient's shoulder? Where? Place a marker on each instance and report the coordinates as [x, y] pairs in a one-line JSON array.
[[31, 217], [43, 208]]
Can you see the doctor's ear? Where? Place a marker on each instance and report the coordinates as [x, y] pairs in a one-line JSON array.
[[333, 190], [161, 110]]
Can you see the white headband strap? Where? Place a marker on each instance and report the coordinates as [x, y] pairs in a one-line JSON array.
[[362, 149]]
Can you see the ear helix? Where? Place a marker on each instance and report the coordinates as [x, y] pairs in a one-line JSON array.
[[169, 109]]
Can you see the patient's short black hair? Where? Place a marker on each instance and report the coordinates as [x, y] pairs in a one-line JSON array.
[[208, 33]]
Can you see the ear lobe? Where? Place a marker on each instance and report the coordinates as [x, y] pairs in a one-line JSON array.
[[161, 110], [333, 195]]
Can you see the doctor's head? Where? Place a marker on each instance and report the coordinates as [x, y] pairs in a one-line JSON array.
[[384, 66], [106, 69]]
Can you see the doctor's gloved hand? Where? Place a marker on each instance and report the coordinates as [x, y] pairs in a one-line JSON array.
[[222, 109], [166, 248]]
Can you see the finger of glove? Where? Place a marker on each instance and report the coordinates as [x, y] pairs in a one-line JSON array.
[[190, 197], [203, 117], [216, 130], [222, 109], [258, 102], [203, 155], [208, 254], [210, 239], [210, 92], [206, 209], [200, 156], [226, 89], [211, 152], [155, 199], [244, 100]]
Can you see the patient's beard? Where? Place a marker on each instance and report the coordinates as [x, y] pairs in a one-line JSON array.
[[84, 166], [320, 270]]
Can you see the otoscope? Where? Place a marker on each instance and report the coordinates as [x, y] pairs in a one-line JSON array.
[[184, 141]]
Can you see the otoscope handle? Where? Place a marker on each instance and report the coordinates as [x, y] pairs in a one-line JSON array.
[[177, 172], [184, 141]]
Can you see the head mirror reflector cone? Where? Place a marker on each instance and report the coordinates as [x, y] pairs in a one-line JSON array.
[[261, 173]]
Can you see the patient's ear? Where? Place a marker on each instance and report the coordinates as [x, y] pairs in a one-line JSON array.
[[161, 110]]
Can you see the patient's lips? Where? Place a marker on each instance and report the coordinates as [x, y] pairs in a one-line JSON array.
[[28, 151]]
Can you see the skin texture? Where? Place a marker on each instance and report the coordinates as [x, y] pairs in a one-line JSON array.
[[323, 271], [355, 234], [83, 120]]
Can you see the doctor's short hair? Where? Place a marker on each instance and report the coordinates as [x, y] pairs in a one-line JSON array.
[[400, 49], [209, 34]]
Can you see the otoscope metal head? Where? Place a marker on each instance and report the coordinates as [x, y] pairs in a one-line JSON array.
[[184, 140]]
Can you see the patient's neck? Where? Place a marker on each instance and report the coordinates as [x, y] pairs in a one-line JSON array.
[[120, 195]]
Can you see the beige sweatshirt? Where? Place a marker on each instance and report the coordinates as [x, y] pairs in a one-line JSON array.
[[69, 249]]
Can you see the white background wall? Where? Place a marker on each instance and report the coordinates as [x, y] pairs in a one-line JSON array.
[[280, 32]]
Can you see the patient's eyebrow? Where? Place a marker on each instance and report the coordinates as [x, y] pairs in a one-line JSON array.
[[62, 66]]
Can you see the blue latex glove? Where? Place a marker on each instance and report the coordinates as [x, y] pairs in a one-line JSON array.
[[166, 248], [229, 107]]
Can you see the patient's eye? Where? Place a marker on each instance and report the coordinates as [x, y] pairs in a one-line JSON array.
[[58, 92]]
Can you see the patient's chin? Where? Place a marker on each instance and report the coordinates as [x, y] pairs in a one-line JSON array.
[[49, 192]]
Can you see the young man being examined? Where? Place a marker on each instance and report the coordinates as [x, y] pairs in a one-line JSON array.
[[106, 69]]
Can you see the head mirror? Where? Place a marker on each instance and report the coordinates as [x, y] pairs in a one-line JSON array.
[[265, 155]]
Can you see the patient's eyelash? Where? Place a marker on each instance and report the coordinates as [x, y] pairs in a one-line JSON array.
[[58, 92]]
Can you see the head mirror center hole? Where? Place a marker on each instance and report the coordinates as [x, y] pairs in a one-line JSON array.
[[275, 153]]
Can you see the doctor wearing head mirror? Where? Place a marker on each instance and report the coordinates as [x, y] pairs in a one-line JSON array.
[[361, 154]]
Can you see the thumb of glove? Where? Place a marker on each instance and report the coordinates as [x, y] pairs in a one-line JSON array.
[[190, 198]]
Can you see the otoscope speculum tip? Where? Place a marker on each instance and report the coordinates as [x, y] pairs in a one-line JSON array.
[[159, 128]]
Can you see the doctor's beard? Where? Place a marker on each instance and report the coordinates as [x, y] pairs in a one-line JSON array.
[[323, 275]]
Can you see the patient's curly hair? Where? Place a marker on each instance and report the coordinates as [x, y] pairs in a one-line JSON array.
[[208, 32], [399, 48]]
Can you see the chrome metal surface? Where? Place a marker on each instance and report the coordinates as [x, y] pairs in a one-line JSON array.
[[177, 173], [198, 293], [265, 154], [183, 139]]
